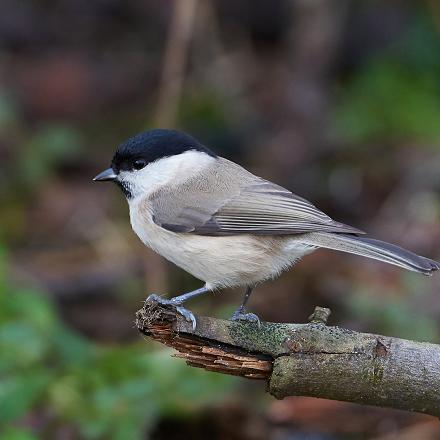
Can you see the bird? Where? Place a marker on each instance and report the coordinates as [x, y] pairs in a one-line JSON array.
[[224, 225]]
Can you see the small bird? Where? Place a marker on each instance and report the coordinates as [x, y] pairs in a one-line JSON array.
[[224, 225]]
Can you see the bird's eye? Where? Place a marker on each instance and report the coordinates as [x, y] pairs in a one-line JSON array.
[[138, 164]]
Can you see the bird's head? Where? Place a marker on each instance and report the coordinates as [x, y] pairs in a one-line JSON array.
[[153, 158]]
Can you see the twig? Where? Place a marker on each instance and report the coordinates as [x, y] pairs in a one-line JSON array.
[[306, 359], [176, 53]]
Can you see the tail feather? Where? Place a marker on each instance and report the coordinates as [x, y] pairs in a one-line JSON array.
[[375, 249]]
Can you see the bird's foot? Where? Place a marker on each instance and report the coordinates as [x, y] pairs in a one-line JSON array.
[[239, 315], [175, 304]]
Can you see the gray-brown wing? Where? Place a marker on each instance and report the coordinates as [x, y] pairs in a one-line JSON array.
[[259, 207], [268, 209]]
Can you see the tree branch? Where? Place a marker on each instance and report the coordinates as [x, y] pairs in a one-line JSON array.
[[306, 359]]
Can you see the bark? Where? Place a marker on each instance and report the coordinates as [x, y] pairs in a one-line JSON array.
[[310, 359]]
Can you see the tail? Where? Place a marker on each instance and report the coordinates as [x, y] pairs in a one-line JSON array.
[[378, 250]]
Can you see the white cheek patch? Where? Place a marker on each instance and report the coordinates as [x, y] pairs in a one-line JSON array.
[[172, 169]]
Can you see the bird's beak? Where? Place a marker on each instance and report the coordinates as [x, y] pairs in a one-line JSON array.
[[107, 174]]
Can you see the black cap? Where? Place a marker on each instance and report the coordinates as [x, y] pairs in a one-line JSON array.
[[155, 144]]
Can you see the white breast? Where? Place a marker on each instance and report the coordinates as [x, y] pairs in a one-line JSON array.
[[219, 261]]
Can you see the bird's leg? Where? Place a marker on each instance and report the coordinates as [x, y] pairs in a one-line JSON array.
[[177, 302], [240, 315]]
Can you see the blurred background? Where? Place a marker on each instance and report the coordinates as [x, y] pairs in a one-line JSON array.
[[338, 101]]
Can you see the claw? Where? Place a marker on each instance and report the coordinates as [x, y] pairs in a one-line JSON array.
[[155, 298], [189, 316], [247, 317], [163, 301]]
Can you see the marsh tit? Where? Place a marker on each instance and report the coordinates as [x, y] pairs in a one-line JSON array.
[[223, 224]]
